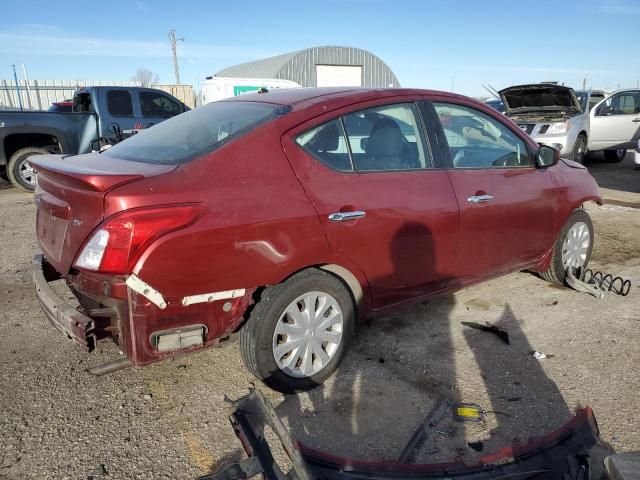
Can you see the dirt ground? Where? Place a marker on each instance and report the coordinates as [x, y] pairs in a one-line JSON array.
[[169, 421]]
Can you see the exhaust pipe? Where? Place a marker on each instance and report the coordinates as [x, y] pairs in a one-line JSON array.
[[109, 367]]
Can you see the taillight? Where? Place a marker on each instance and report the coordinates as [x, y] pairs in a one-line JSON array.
[[118, 243]]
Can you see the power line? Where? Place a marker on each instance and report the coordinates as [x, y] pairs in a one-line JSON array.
[[173, 39]]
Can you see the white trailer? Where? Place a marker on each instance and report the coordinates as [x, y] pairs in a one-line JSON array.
[[217, 88]]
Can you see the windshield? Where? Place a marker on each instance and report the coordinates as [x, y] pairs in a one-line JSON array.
[[582, 98], [195, 133]]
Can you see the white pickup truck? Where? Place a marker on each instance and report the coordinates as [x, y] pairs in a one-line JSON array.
[[576, 124]]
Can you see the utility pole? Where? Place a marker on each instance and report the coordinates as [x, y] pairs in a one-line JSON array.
[[173, 39], [15, 77]]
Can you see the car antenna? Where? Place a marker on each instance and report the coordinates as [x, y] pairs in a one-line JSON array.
[[263, 90]]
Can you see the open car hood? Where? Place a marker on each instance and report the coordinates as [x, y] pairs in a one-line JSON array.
[[539, 97], [562, 454]]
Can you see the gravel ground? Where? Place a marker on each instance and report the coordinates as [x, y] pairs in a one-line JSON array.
[[169, 421]]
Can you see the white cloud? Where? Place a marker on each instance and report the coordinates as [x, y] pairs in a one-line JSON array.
[[53, 41], [513, 69]]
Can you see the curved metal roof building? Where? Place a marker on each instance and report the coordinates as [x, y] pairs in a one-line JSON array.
[[320, 67]]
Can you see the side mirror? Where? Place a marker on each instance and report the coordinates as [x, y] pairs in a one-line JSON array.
[[547, 156], [604, 110]]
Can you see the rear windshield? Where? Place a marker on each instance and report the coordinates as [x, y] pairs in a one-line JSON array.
[[195, 133]]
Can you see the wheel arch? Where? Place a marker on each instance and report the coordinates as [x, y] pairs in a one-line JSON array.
[[17, 141]]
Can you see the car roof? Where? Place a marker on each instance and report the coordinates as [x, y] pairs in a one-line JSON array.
[[311, 96]]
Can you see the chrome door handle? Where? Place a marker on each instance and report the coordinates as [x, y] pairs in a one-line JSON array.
[[479, 198], [345, 216]]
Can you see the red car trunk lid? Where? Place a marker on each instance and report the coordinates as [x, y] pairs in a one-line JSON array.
[[70, 198]]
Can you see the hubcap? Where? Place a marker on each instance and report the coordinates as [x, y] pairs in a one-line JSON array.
[[576, 246], [27, 173], [308, 334], [581, 151], [621, 153]]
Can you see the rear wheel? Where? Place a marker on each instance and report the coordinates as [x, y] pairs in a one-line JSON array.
[[20, 172], [573, 247], [614, 156], [579, 151], [298, 332]]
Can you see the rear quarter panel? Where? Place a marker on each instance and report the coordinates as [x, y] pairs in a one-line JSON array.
[[259, 226]]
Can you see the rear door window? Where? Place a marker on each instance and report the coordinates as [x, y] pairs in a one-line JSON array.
[[119, 103], [195, 133], [388, 137], [157, 105]]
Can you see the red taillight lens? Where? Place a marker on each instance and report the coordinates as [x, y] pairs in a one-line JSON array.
[[118, 243]]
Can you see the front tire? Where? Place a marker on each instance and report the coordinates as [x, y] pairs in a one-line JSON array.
[[614, 156], [20, 171], [298, 332], [579, 151], [573, 247]]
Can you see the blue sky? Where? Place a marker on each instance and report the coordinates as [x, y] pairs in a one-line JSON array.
[[454, 45]]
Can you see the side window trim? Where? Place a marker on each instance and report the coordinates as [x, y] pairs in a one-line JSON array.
[[343, 131], [440, 155]]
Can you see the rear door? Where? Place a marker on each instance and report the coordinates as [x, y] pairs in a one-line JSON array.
[[383, 205], [507, 214], [615, 123]]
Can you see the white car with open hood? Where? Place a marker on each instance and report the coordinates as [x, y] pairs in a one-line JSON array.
[[553, 115]]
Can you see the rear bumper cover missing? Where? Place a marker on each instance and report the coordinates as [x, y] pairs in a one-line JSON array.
[[74, 324], [562, 454]]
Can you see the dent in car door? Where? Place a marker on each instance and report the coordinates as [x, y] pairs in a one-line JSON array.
[[399, 225], [507, 206], [615, 122]]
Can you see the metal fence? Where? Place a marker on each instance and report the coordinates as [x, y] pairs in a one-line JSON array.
[[40, 94]]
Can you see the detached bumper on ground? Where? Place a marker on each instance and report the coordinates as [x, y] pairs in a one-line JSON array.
[[66, 318], [562, 454]]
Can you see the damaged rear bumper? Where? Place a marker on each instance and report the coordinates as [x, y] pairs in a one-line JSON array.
[[562, 454], [74, 324]]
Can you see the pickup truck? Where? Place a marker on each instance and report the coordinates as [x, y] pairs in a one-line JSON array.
[[100, 116]]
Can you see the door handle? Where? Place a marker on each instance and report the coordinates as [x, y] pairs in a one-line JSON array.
[[479, 198], [346, 216], [636, 119]]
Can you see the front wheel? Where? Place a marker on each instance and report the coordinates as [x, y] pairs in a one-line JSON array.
[[579, 151], [573, 247], [614, 156], [298, 332], [20, 172]]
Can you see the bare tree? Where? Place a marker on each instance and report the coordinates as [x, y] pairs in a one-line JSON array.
[[146, 77]]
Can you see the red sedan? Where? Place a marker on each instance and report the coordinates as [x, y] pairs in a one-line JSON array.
[[289, 214]]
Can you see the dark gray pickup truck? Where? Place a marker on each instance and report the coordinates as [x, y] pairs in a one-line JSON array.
[[101, 116]]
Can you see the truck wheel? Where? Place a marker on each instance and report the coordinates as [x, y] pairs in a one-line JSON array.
[[20, 171], [298, 332], [614, 156], [579, 151], [572, 248]]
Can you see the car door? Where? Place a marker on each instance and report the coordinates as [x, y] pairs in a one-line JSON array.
[[119, 111], [507, 214], [615, 122], [370, 175]]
